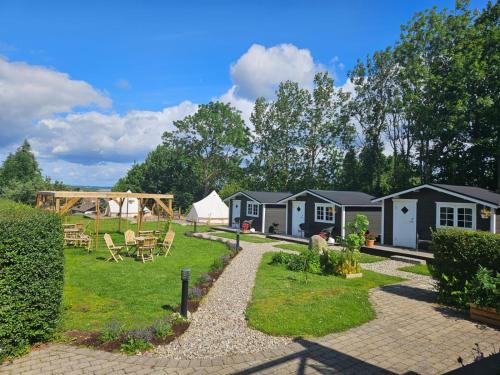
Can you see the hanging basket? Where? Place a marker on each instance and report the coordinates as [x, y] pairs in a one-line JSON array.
[[485, 213]]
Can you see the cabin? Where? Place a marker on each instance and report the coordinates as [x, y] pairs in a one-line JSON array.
[[409, 216], [312, 211], [261, 208]]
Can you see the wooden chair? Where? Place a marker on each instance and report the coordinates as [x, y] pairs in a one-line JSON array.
[[167, 243], [145, 249], [130, 241], [113, 250]]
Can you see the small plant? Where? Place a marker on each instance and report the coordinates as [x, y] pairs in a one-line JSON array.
[[217, 265], [485, 289], [145, 334], [163, 328], [195, 293], [134, 345], [205, 278], [281, 258], [112, 330], [225, 259], [370, 237]]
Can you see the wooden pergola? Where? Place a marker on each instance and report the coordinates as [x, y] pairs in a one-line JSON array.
[[62, 201]]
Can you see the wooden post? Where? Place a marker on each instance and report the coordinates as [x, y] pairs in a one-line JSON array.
[[97, 209], [58, 204], [158, 208], [120, 202], [139, 216]]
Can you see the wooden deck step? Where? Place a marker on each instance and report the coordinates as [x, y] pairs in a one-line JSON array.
[[402, 258]]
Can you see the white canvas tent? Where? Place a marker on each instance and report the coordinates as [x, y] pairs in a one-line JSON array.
[[130, 207], [210, 210]]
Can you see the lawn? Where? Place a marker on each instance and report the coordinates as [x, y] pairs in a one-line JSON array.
[[135, 294], [365, 258], [420, 269], [244, 237], [284, 304]]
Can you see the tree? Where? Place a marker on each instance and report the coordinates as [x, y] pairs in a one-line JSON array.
[[21, 177], [214, 139]]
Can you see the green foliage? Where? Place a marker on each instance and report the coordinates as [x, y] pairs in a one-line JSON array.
[[458, 255], [163, 327], [31, 277], [281, 258], [21, 178], [112, 330], [133, 345], [307, 261], [485, 289], [217, 264]]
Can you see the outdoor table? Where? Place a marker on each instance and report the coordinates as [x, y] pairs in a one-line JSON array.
[[140, 248]]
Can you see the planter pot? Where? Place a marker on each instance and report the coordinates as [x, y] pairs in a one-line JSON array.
[[352, 275], [370, 243], [487, 315]]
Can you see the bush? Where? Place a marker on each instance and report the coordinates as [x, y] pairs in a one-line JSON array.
[[281, 258], [133, 345], [112, 331], [457, 257], [31, 276], [218, 264], [485, 290], [163, 328]]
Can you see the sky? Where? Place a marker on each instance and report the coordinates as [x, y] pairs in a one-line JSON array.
[[94, 84]]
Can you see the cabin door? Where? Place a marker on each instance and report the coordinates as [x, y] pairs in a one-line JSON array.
[[298, 217], [405, 222], [236, 212]]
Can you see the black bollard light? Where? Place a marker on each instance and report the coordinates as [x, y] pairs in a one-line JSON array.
[[195, 226], [238, 240], [185, 273]]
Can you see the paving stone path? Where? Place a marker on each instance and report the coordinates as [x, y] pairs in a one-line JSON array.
[[411, 333]]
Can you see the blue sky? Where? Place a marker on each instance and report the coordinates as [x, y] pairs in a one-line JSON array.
[[124, 70]]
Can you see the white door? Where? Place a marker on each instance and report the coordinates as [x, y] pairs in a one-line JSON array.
[[404, 222], [298, 217], [236, 212]]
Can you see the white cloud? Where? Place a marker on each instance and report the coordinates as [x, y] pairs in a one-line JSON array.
[[260, 70], [242, 104], [92, 137], [28, 93]]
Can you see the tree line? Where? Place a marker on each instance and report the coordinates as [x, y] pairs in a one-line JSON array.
[[425, 109]]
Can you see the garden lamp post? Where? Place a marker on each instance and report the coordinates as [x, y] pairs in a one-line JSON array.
[[185, 273], [238, 240]]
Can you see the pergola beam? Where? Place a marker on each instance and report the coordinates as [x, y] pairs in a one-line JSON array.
[[102, 194]]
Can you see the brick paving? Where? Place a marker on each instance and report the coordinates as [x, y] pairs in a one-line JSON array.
[[410, 334]]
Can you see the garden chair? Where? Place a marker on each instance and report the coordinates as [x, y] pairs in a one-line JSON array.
[[113, 250], [145, 249], [130, 241], [167, 243]]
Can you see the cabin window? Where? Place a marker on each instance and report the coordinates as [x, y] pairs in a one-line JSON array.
[[252, 209], [324, 213], [456, 215]]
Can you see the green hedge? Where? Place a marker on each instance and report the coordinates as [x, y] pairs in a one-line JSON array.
[[31, 276], [457, 257]]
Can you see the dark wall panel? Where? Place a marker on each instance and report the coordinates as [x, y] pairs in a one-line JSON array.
[[257, 221]]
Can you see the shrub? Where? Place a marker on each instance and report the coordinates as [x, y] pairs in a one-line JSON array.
[[31, 276], [457, 257], [195, 293], [162, 328], [112, 330], [218, 264], [329, 261], [133, 345], [485, 290], [281, 258], [205, 278]]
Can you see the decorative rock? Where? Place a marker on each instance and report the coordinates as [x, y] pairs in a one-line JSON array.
[[318, 244]]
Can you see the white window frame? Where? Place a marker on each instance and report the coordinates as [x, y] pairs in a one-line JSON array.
[[455, 207], [324, 205], [250, 208]]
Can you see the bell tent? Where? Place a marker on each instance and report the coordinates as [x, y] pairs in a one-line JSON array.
[[210, 210]]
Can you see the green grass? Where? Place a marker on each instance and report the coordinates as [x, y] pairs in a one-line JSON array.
[[245, 237], [96, 291], [365, 258], [420, 269], [283, 303]]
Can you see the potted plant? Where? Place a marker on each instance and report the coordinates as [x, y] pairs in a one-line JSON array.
[[370, 240], [485, 297]]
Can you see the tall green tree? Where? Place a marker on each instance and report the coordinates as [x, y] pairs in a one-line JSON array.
[[215, 139]]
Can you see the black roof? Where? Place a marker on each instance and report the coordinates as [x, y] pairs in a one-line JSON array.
[[472, 192], [346, 198], [266, 196]]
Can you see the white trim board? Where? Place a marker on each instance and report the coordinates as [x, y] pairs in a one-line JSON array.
[[240, 193], [427, 186]]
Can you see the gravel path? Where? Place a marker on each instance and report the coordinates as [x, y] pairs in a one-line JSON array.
[[219, 327]]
